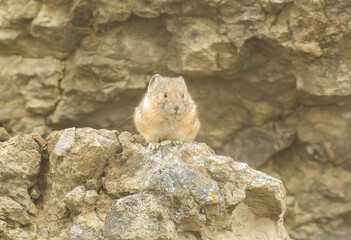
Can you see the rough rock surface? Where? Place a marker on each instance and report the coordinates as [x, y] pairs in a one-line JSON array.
[[19, 169], [271, 77], [178, 192]]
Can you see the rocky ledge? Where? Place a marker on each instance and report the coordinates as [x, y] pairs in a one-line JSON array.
[[99, 184]]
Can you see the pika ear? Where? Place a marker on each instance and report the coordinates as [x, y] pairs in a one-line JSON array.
[[153, 82], [181, 79]]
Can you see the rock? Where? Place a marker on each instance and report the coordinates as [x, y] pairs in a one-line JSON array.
[[65, 142], [32, 80], [199, 190], [91, 196], [19, 168], [108, 12], [87, 226], [4, 135], [257, 144], [319, 152], [34, 193], [74, 200], [181, 191], [139, 216], [199, 44], [36, 124], [75, 156], [12, 212]]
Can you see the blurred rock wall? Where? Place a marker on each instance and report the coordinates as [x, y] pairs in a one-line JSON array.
[[272, 79]]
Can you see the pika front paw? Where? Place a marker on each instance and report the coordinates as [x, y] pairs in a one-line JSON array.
[[176, 142], [154, 145]]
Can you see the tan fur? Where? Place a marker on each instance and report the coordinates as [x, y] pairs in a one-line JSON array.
[[156, 118]]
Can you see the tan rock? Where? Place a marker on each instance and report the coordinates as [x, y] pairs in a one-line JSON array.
[[4, 135], [31, 81], [12, 212], [91, 196], [75, 155], [74, 200], [181, 191], [19, 168]]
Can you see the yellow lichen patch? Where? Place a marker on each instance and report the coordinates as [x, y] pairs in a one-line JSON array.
[[215, 198]]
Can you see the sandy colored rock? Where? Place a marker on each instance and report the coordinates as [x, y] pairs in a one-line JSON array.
[[75, 156], [32, 79], [91, 196], [19, 168], [181, 191], [4, 135], [87, 226], [74, 200], [12, 212]]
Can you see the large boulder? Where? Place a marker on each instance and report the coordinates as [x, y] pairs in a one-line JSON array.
[[88, 184]]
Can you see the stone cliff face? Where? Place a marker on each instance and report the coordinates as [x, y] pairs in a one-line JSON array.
[[271, 78], [98, 184]]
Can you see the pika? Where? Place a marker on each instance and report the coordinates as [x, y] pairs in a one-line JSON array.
[[167, 112]]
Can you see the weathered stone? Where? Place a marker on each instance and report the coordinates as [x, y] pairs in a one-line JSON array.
[[139, 216], [181, 191], [19, 167], [74, 200], [52, 26], [75, 155], [36, 124], [257, 144], [31, 80], [200, 190], [320, 153], [4, 135], [86, 227], [34, 192], [108, 12], [91, 196], [12, 212], [203, 50]]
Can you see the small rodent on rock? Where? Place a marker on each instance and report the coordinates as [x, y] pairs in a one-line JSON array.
[[167, 112]]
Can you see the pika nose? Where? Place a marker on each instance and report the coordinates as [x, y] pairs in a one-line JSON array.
[[176, 108]]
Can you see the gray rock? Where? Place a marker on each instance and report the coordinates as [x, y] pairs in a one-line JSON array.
[[199, 190], [65, 142], [139, 216]]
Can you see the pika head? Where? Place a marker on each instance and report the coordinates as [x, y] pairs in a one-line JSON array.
[[170, 95]]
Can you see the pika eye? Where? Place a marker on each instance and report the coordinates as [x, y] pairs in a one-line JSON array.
[[183, 94], [165, 94]]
